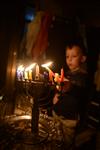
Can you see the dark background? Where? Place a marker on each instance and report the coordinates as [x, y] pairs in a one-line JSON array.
[[64, 27]]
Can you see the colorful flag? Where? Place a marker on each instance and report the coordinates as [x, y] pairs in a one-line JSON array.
[[41, 43]]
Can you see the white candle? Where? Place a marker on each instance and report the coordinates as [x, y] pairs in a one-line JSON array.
[[18, 75], [37, 72], [26, 75]]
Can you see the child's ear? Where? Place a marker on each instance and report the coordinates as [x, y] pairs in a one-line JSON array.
[[83, 59]]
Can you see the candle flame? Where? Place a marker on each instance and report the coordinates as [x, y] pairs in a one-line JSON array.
[[20, 68], [47, 64], [30, 67]]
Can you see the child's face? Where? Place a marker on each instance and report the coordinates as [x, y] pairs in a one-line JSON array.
[[74, 58]]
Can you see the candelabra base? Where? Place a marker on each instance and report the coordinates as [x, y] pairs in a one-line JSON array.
[[32, 139], [21, 125]]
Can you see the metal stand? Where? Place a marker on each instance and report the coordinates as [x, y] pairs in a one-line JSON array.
[[35, 136]]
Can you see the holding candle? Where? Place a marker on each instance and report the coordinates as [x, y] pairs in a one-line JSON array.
[[70, 105], [56, 79], [62, 75], [51, 74]]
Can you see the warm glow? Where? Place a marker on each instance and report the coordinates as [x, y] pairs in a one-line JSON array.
[[56, 79], [46, 64], [30, 74], [30, 67], [26, 75], [37, 73], [1, 97], [17, 118], [37, 70], [25, 117], [20, 68]]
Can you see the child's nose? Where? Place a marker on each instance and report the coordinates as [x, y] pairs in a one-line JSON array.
[[70, 59]]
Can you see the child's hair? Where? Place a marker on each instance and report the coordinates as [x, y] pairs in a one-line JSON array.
[[79, 43]]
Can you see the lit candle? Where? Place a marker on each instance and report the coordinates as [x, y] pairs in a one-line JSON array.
[[62, 75], [18, 75], [20, 70], [50, 75], [30, 75], [37, 72], [21, 75], [56, 79], [26, 75]]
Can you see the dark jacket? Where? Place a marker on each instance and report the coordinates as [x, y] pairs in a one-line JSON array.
[[73, 102]]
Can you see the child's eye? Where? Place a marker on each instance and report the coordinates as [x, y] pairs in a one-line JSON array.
[[74, 56]]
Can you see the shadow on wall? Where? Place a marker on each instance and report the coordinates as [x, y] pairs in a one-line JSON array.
[[93, 41]]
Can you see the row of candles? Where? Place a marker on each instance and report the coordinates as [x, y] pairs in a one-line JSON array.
[[27, 73]]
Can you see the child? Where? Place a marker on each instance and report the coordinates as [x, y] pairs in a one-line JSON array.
[[69, 105]]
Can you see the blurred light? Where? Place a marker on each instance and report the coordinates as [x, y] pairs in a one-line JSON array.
[[30, 67], [17, 118], [29, 14], [20, 68], [47, 64], [1, 97]]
